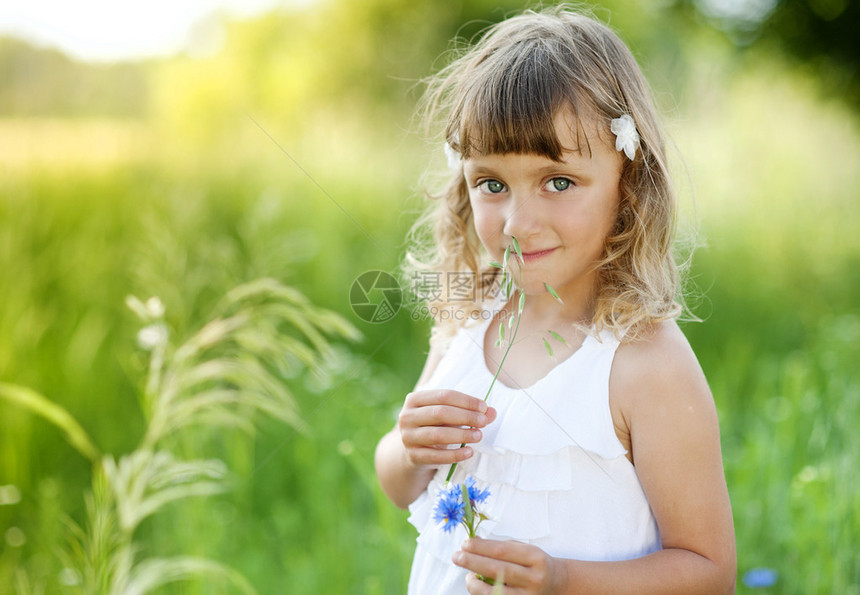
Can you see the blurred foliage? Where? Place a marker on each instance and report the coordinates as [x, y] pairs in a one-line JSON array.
[[822, 34], [283, 146], [377, 49], [45, 82], [336, 56]]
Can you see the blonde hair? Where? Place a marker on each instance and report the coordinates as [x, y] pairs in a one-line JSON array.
[[501, 96]]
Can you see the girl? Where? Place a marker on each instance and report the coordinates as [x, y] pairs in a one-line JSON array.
[[603, 462]]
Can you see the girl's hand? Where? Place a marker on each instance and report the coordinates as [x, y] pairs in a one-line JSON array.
[[433, 420], [524, 568]]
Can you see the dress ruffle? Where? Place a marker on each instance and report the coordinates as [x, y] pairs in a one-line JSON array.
[[521, 489]]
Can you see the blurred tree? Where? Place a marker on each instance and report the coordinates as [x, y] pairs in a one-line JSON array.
[[346, 56], [359, 55], [36, 81], [823, 34]]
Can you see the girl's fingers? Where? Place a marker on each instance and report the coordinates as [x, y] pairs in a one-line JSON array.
[[433, 421], [508, 551], [443, 415], [440, 436], [490, 567], [522, 565], [439, 456], [452, 398]]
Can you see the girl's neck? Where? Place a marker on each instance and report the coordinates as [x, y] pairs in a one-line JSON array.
[[577, 307]]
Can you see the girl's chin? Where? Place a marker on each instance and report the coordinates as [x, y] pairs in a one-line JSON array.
[[533, 287]]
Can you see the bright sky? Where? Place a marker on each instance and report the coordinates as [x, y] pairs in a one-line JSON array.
[[116, 29]]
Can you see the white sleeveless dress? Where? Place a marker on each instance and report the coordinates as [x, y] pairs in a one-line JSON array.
[[558, 476]]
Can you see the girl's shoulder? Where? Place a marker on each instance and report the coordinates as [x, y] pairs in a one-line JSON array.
[[657, 387], [660, 366], [662, 344]]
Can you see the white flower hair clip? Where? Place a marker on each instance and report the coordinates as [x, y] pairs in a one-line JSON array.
[[455, 160], [626, 137]]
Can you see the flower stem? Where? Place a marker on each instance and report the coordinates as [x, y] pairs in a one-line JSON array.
[[499, 369], [468, 513]]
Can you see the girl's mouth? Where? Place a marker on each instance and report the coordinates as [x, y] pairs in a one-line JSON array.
[[532, 256]]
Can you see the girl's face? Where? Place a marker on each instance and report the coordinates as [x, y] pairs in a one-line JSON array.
[[560, 212]]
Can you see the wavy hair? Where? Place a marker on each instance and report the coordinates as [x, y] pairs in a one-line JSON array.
[[501, 96]]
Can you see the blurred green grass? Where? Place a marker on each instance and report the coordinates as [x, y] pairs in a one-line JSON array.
[[776, 172]]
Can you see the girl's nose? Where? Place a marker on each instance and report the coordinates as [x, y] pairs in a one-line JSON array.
[[522, 217]]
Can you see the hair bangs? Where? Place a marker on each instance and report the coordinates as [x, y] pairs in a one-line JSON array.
[[511, 104]]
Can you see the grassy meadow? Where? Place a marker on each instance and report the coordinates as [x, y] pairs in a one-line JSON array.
[[169, 204]]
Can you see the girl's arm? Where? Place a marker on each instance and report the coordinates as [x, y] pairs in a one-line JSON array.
[[665, 404], [430, 422], [401, 481]]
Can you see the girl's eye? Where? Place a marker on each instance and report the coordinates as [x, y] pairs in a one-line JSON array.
[[558, 185], [492, 186]]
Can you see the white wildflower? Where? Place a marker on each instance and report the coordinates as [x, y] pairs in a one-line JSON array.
[[154, 307], [626, 137], [152, 336]]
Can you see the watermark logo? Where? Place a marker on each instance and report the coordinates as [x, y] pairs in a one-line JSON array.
[[375, 296]]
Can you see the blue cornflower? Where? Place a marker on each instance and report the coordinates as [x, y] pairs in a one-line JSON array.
[[458, 506], [475, 495], [449, 510], [758, 578]]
